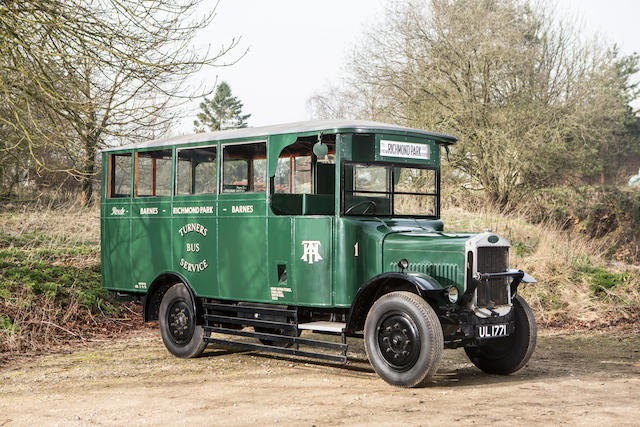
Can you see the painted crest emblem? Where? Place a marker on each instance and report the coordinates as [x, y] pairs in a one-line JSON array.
[[311, 252]]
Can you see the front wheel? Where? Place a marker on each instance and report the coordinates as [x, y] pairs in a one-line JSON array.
[[403, 339], [509, 354], [180, 333]]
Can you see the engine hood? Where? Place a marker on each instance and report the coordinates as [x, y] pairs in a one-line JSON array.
[[418, 240], [437, 254]]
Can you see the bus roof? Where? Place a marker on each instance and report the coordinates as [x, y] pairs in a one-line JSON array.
[[329, 126]]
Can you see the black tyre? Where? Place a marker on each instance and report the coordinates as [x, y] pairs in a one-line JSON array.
[[403, 339], [180, 333], [509, 354]]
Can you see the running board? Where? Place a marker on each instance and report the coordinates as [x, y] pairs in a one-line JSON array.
[[337, 327], [229, 319]]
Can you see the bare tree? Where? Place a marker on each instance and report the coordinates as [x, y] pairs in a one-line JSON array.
[[530, 99], [104, 71]]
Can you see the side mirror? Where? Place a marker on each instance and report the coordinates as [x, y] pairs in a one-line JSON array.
[[320, 149]]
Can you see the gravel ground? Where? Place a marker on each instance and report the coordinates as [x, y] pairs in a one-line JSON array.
[[577, 378]]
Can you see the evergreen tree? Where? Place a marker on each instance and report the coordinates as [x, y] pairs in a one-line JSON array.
[[222, 112]]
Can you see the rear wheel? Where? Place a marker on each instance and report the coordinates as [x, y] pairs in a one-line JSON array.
[[180, 333], [403, 339], [509, 354]]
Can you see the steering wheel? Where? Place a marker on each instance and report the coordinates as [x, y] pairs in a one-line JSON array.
[[370, 203]]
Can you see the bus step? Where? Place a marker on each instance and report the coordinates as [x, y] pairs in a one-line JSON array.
[[213, 319], [275, 326], [251, 309], [337, 327], [279, 338], [281, 350]]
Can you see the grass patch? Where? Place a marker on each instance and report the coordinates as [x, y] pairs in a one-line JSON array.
[[602, 281], [6, 326], [50, 280]]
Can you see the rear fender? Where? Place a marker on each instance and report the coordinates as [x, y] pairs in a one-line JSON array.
[[161, 284]]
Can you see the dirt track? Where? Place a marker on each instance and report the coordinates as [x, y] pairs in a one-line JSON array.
[[583, 379]]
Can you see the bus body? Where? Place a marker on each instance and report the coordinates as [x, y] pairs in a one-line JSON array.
[[329, 226]]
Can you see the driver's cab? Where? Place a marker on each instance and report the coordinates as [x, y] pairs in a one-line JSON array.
[[380, 175], [390, 176], [336, 195]]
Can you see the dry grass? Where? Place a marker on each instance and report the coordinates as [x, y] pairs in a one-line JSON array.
[[65, 226], [577, 285], [50, 287]]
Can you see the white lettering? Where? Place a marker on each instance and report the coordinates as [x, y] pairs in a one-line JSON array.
[[195, 227], [148, 211], [116, 211], [278, 292], [186, 210], [404, 149], [194, 268], [242, 209], [311, 252]]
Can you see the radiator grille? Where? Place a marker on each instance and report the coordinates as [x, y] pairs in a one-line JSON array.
[[445, 274], [492, 260]]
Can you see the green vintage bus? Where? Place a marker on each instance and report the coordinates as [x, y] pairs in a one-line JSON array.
[[248, 237]]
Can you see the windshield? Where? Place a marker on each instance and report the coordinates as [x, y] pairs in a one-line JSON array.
[[377, 189]]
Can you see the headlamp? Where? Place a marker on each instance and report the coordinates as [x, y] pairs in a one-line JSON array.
[[453, 294]]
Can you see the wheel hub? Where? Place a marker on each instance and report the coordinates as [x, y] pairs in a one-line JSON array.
[[181, 322], [399, 341]]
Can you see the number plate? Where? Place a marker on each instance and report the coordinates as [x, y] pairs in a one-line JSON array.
[[492, 331]]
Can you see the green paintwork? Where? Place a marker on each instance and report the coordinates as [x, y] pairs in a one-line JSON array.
[[226, 252]]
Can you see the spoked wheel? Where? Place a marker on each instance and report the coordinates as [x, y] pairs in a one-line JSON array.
[[182, 336], [508, 354], [403, 339]]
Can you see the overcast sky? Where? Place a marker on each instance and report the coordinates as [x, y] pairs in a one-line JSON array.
[[296, 47]]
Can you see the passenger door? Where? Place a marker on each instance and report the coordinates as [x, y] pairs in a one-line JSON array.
[[242, 223]]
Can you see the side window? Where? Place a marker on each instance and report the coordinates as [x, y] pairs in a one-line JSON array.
[[120, 175], [153, 173], [283, 175], [244, 168], [302, 175], [295, 169], [196, 170], [298, 182]]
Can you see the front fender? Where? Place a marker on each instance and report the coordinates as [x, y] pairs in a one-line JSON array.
[[424, 282], [420, 283]]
